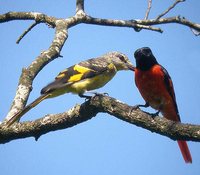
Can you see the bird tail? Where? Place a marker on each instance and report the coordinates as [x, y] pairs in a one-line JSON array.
[[185, 151], [19, 114]]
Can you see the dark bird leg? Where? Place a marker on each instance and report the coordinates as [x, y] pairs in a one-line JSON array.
[[144, 106]]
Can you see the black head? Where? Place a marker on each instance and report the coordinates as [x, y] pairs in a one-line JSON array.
[[144, 58]]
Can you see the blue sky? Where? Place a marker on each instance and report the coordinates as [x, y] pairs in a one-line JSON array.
[[104, 145]]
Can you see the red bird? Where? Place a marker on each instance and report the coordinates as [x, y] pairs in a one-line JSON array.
[[155, 86]]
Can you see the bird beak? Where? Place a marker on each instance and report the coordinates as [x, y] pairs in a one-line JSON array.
[[131, 67]]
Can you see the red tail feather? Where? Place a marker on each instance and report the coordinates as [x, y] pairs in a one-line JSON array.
[[185, 151]]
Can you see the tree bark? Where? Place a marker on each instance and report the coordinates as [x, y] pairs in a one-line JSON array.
[[89, 109]]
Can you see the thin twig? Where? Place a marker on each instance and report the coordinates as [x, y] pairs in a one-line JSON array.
[[195, 32], [26, 31], [170, 8], [175, 19], [147, 27], [148, 9], [79, 5]]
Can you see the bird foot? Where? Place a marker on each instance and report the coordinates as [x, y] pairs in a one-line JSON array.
[[138, 106], [88, 97], [153, 115], [99, 94]]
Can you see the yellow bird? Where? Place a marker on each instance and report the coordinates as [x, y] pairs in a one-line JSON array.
[[80, 78]]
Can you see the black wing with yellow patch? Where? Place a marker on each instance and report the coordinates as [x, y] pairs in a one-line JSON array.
[[74, 74]]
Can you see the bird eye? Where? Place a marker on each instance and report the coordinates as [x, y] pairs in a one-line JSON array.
[[122, 58]]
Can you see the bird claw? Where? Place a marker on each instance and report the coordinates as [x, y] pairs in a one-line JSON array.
[[88, 97], [138, 106], [153, 115], [135, 107], [105, 93], [99, 94]]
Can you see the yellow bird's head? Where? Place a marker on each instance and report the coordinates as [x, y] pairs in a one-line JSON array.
[[120, 61]]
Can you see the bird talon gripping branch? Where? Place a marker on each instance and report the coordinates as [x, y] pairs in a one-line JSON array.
[[138, 106], [100, 94], [87, 97], [153, 115]]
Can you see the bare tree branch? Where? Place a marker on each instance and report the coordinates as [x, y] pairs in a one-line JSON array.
[[89, 109], [84, 18], [170, 8], [79, 5], [28, 74], [148, 9], [119, 23], [176, 19], [100, 103], [26, 31], [195, 32], [38, 17]]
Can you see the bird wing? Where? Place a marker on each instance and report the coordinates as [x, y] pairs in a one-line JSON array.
[[170, 88], [78, 72]]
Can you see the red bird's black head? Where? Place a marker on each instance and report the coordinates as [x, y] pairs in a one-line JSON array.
[[144, 58]]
